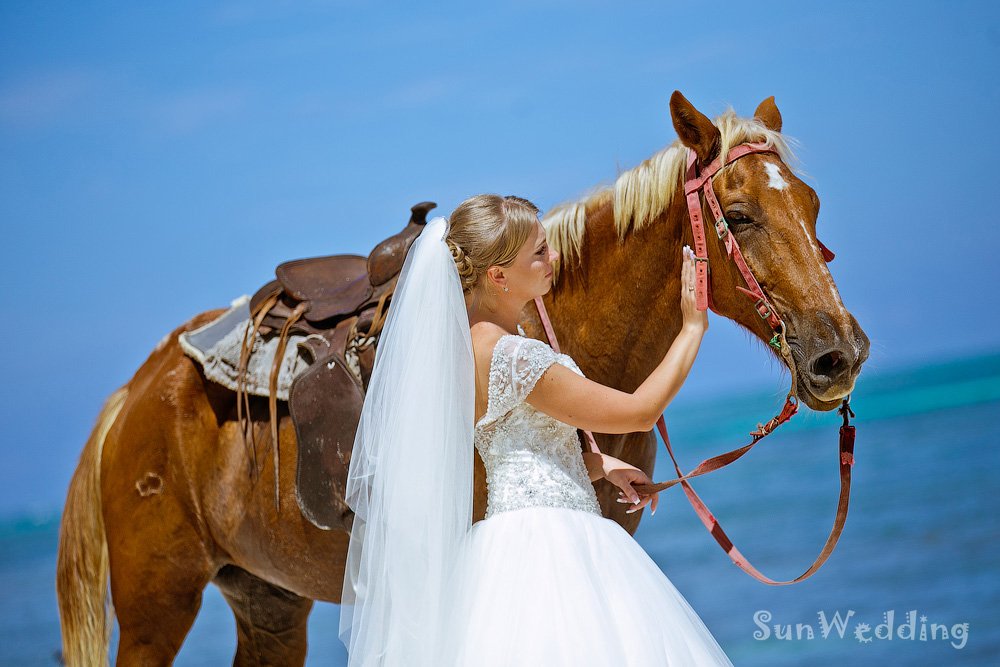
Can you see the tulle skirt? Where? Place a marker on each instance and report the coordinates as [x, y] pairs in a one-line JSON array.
[[555, 586]]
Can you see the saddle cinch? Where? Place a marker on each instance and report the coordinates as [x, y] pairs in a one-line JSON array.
[[340, 302]]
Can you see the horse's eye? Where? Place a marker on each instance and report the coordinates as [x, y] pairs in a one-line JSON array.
[[737, 218]]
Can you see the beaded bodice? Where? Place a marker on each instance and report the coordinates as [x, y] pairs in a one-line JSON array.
[[531, 458]]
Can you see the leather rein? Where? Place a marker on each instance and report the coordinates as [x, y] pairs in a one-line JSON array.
[[701, 181]]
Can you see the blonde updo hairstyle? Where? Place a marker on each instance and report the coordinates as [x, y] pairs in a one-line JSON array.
[[487, 230]]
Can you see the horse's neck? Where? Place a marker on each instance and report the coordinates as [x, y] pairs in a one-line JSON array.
[[617, 312]]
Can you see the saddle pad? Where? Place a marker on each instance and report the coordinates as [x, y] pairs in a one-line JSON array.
[[216, 346]]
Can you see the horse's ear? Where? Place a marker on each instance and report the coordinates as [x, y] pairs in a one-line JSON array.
[[694, 128], [767, 113]]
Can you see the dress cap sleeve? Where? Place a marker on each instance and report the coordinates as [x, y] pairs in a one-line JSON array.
[[516, 365]]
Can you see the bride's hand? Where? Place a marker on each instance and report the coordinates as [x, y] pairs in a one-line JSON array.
[[623, 475]]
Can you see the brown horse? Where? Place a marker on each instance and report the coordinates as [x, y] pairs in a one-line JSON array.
[[161, 504]]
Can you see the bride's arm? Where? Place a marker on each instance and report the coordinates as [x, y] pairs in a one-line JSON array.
[[592, 406]]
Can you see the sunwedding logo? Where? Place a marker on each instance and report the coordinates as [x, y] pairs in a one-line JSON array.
[[908, 630]]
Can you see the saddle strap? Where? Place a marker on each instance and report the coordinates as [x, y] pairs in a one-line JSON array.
[[272, 398], [381, 312], [243, 415]]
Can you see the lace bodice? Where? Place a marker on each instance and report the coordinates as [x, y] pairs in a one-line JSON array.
[[531, 458]]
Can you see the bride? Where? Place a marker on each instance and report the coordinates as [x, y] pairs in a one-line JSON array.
[[544, 578]]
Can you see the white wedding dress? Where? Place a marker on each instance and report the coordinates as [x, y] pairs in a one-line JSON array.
[[545, 579]]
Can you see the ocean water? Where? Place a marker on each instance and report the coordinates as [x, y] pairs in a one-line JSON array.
[[919, 542]]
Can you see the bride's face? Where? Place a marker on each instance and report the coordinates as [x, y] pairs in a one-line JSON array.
[[531, 273]]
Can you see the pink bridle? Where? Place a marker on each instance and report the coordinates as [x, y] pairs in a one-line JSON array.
[[694, 183]]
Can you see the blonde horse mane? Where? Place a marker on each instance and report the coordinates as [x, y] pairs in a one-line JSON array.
[[643, 193]]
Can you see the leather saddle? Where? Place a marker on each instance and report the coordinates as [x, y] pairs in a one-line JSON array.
[[340, 302]]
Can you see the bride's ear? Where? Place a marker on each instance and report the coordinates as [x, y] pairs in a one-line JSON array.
[[496, 277]]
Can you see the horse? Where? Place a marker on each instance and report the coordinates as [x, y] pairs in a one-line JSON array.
[[159, 505]]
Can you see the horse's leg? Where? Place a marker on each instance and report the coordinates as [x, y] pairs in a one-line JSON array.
[[159, 564], [271, 623], [161, 553], [157, 589]]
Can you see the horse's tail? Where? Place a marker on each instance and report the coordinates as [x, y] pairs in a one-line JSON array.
[[85, 610]]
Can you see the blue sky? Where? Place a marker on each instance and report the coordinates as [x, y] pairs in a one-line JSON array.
[[156, 162]]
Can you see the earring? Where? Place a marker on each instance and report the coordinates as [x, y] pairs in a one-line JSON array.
[[505, 289]]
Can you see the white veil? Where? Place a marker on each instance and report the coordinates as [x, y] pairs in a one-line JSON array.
[[410, 476]]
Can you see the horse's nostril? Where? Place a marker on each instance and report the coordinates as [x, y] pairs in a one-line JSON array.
[[830, 364]]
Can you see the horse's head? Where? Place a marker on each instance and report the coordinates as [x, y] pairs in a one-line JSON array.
[[772, 214]]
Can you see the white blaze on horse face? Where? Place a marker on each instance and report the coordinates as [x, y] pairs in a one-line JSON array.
[[774, 177], [834, 295], [823, 282]]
